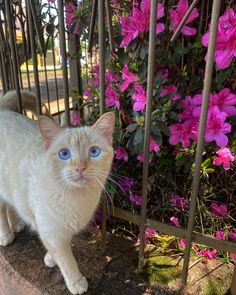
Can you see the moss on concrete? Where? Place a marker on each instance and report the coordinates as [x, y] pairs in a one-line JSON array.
[[160, 269]]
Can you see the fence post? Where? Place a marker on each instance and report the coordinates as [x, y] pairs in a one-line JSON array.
[[64, 60], [34, 56], [101, 26], [200, 141], [75, 67], [13, 51], [151, 63]]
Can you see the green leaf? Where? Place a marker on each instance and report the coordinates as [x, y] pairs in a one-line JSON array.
[[143, 51], [131, 127], [164, 128], [138, 137]]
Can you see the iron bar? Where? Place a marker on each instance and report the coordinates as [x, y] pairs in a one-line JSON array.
[[178, 232], [55, 79], [13, 52], [37, 25], [64, 60], [46, 80], [34, 58], [92, 25], [109, 22], [101, 26], [2, 74], [183, 21], [150, 80], [202, 127], [3, 58]]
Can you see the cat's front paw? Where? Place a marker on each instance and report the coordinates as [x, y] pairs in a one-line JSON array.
[[48, 260], [6, 239], [79, 287], [18, 227]]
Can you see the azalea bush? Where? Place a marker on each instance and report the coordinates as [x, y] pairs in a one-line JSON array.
[[176, 107]]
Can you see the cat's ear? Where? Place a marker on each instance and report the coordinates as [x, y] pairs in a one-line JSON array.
[[48, 128], [106, 124]]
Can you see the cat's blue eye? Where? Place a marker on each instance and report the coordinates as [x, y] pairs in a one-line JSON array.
[[64, 154], [94, 152]]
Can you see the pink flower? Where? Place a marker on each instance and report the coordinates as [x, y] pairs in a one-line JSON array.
[[220, 235], [164, 73], [177, 15], [112, 98], [232, 236], [225, 43], [125, 183], [76, 119], [170, 89], [150, 233], [138, 23], [219, 211], [111, 77], [136, 199], [183, 133], [121, 154], [216, 127], [233, 256], [182, 243], [128, 78], [140, 98], [207, 253], [175, 221], [70, 13], [140, 158], [224, 157], [179, 203], [225, 100], [154, 146]]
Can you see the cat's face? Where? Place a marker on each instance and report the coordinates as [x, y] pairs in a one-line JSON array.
[[80, 156]]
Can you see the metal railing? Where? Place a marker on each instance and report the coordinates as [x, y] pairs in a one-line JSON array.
[[101, 8]]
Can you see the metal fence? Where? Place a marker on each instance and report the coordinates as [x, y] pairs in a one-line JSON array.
[[10, 58]]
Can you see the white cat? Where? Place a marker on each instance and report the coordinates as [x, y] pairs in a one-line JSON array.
[[52, 178]]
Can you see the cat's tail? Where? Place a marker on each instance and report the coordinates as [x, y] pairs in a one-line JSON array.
[[10, 101]]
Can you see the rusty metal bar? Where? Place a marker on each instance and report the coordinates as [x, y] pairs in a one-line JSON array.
[[233, 284], [178, 232], [64, 60], [183, 21], [55, 79], [101, 26], [37, 25], [202, 127], [150, 80], [92, 25], [3, 81], [109, 22], [13, 52], [34, 57], [46, 79], [3, 59]]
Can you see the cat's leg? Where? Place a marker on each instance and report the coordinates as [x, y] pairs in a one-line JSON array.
[[62, 254], [6, 235], [16, 224]]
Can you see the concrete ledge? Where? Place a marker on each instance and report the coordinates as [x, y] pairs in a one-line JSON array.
[[22, 270]]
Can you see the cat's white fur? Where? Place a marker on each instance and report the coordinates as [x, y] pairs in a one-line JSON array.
[[49, 193]]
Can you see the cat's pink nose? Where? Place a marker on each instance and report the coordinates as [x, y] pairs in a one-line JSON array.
[[80, 167]]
